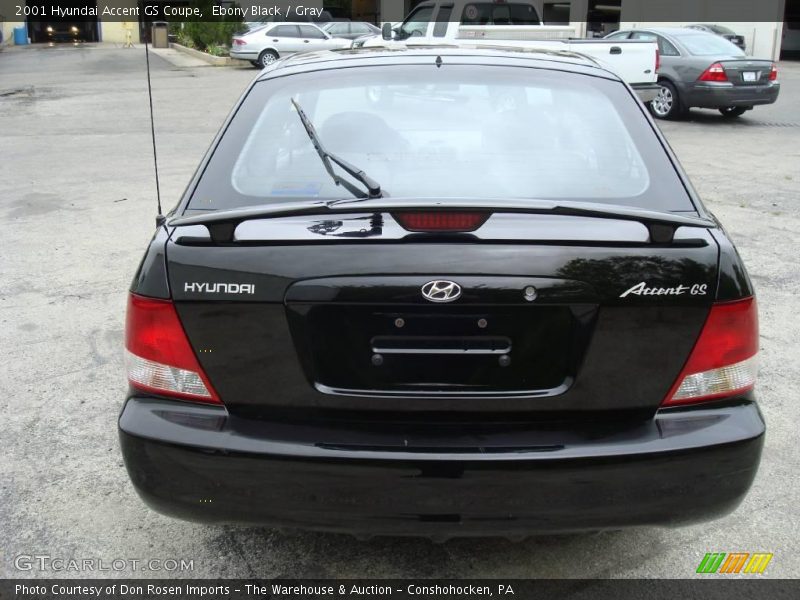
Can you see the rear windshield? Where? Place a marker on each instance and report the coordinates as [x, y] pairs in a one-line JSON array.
[[455, 132], [719, 29], [708, 44]]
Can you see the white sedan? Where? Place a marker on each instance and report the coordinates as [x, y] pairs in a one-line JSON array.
[[264, 45]]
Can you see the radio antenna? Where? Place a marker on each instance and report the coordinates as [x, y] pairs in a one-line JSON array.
[[160, 219]]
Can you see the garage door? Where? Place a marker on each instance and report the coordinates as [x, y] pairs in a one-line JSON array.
[[68, 29]]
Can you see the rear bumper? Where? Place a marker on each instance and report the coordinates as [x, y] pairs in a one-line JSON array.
[[720, 95], [198, 463], [243, 55], [646, 91]]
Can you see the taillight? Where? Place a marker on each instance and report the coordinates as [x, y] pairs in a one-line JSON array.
[[158, 356], [723, 360], [658, 60], [238, 42], [714, 73], [773, 73], [433, 221]]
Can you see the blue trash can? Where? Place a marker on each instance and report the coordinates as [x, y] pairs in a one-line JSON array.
[[20, 36]]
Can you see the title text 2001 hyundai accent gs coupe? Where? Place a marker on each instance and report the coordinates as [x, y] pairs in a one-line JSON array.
[[441, 292]]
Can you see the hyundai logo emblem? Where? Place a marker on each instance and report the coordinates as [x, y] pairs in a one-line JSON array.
[[441, 291]]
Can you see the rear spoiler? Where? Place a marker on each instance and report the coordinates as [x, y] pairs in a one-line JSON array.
[[661, 226]]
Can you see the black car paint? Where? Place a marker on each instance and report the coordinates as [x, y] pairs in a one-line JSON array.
[[581, 278], [287, 451], [202, 464]]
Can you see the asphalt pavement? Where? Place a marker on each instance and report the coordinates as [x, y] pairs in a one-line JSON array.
[[77, 206]]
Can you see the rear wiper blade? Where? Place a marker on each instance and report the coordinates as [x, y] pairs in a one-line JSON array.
[[373, 187], [660, 225]]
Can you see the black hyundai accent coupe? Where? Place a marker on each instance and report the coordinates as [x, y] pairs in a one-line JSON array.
[[441, 292]]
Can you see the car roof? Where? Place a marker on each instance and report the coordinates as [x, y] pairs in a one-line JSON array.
[[709, 25], [679, 31], [419, 54], [294, 23]]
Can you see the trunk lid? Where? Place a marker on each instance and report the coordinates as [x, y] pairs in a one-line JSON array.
[[556, 316], [742, 72], [379, 336]]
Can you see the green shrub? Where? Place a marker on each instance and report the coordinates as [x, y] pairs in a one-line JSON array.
[[208, 34], [185, 40], [217, 50]]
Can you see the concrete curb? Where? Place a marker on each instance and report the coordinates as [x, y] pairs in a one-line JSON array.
[[217, 61]]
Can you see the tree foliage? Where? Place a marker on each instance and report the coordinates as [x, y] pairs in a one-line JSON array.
[[210, 32]]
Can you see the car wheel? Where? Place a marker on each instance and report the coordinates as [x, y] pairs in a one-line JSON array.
[[732, 112], [266, 58], [667, 104]]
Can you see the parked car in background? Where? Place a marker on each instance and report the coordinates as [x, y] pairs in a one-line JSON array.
[[515, 23], [704, 70], [350, 29], [728, 34], [299, 15], [63, 32], [263, 46], [250, 26]]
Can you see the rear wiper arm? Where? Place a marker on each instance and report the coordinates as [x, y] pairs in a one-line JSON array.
[[373, 187]]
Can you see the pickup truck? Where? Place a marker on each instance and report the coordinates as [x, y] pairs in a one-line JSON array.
[[516, 23]]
